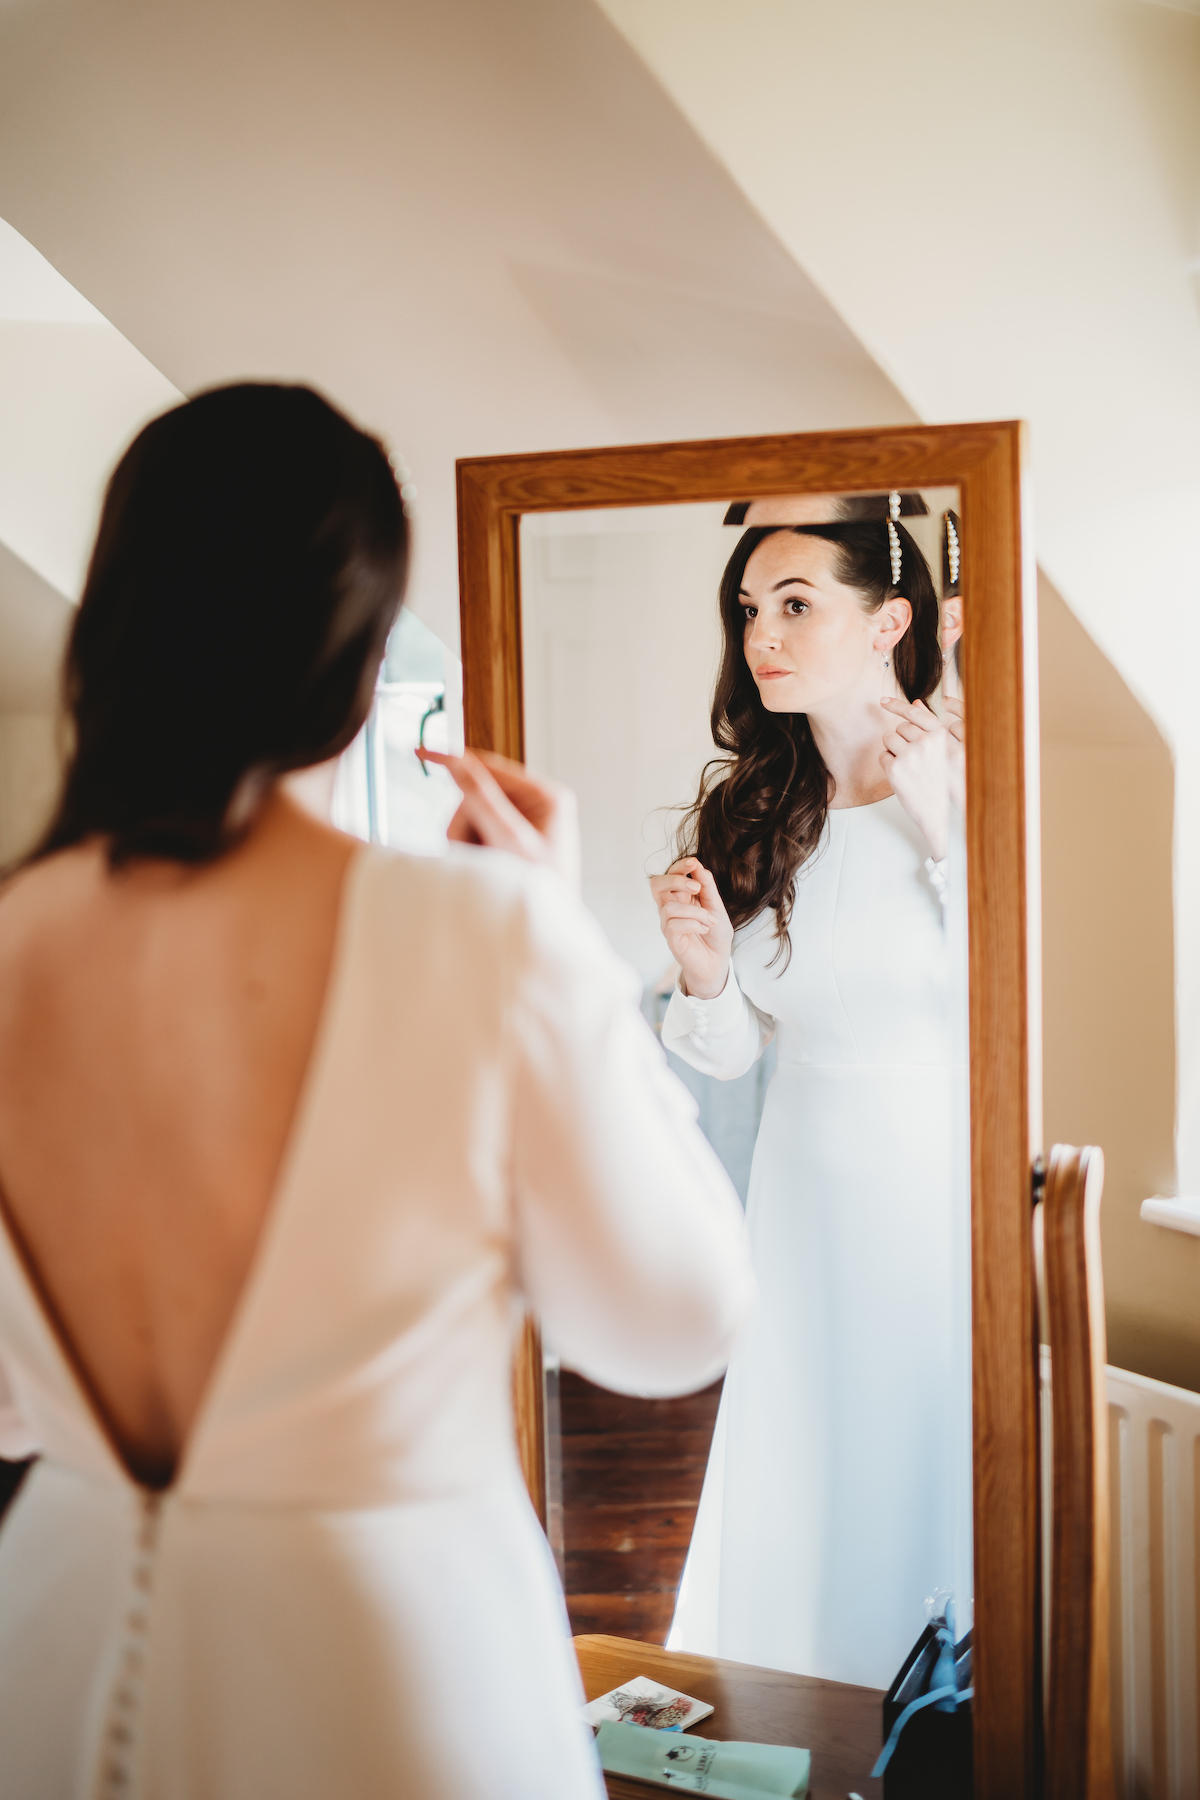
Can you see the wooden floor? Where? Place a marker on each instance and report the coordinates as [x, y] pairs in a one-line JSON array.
[[632, 1471]]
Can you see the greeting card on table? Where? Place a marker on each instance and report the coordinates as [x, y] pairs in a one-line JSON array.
[[645, 1702]]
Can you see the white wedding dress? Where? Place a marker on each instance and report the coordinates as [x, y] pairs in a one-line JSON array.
[[828, 1510], [345, 1594]]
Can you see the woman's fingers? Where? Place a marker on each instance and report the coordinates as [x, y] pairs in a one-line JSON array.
[[490, 773], [488, 808], [710, 894], [896, 706], [686, 884], [532, 795], [687, 915], [916, 713], [506, 808], [460, 829]]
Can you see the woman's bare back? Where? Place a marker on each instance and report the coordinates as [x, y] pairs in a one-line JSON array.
[[156, 1027]]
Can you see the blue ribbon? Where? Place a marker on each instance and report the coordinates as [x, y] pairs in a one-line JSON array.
[[943, 1694]]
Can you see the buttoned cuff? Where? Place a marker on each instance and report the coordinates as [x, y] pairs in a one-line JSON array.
[[723, 1012]]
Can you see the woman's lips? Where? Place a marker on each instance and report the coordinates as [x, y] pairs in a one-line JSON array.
[[771, 674]]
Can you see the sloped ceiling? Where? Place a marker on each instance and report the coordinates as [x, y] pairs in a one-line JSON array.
[[1003, 202], [481, 228]]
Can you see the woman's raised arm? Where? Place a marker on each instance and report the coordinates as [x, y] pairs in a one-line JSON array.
[[630, 1238]]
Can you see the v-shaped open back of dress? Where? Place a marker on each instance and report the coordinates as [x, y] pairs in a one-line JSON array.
[[345, 1591]]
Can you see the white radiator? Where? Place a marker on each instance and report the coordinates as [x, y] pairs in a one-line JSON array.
[[1154, 1480], [1154, 1491], [1154, 1458]]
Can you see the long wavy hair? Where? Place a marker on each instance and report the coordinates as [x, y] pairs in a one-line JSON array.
[[249, 565], [761, 808]]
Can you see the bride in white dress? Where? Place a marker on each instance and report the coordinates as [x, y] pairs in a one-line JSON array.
[[827, 1511], [291, 1130]]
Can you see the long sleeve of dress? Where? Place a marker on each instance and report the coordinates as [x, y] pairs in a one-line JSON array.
[[630, 1238], [720, 1037]]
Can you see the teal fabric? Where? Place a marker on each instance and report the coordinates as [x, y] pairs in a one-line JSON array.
[[695, 1765]]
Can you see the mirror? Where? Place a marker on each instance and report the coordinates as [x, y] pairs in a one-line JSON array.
[[699, 639], [836, 1507]]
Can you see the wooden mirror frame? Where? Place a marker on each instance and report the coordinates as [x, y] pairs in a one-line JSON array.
[[986, 462]]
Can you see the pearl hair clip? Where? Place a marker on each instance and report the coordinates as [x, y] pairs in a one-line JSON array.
[[953, 552], [405, 482], [894, 537]]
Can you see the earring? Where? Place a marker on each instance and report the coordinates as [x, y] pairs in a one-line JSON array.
[[886, 664]]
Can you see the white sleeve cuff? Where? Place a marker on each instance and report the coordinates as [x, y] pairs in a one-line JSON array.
[[722, 1013]]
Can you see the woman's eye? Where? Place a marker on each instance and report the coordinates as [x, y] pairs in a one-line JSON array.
[[796, 607], [751, 612]]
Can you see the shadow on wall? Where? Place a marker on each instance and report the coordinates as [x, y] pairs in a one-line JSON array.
[[34, 620], [1109, 984]]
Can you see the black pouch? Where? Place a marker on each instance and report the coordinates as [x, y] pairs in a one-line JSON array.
[[927, 1721]]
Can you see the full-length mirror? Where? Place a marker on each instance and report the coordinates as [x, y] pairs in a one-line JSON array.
[[758, 707], [788, 681]]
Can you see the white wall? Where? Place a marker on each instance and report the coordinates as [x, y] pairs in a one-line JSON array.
[[621, 639], [34, 618]]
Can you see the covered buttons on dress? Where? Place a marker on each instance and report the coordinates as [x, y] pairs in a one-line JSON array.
[[118, 1743]]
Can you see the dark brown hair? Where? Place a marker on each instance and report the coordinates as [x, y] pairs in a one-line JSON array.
[[845, 506], [249, 565], [761, 807]]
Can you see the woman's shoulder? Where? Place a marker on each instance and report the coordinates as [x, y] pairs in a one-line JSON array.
[[41, 901], [505, 906], [463, 877]]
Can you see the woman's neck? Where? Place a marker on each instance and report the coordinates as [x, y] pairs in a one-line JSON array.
[[849, 735]]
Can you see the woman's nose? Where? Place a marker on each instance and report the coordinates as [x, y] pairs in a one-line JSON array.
[[762, 637]]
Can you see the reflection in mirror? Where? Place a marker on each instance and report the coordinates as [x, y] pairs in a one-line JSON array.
[[758, 704]]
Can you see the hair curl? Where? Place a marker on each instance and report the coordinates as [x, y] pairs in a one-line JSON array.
[[761, 808]]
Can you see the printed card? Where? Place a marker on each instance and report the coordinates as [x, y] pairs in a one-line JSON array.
[[644, 1702]]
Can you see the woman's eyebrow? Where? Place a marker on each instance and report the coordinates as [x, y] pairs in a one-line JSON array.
[[788, 581]]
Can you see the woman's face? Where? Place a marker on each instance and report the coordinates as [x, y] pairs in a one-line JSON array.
[[808, 640]]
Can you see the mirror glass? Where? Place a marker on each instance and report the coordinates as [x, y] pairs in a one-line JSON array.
[[811, 1512]]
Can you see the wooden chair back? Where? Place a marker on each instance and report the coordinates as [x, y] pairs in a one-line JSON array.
[[1078, 1726]]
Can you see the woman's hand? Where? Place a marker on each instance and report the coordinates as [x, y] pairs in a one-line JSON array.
[[507, 808], [695, 924], [916, 760]]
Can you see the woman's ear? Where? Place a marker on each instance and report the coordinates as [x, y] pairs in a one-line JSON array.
[[952, 622], [892, 621]]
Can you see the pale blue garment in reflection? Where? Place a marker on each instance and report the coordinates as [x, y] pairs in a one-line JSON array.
[[729, 1112], [830, 1501]]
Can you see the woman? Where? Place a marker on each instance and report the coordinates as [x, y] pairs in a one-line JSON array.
[[290, 1130], [811, 912]]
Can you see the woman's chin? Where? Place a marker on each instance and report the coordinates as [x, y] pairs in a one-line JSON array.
[[780, 697]]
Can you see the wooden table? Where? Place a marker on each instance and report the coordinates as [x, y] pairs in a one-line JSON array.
[[840, 1725]]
